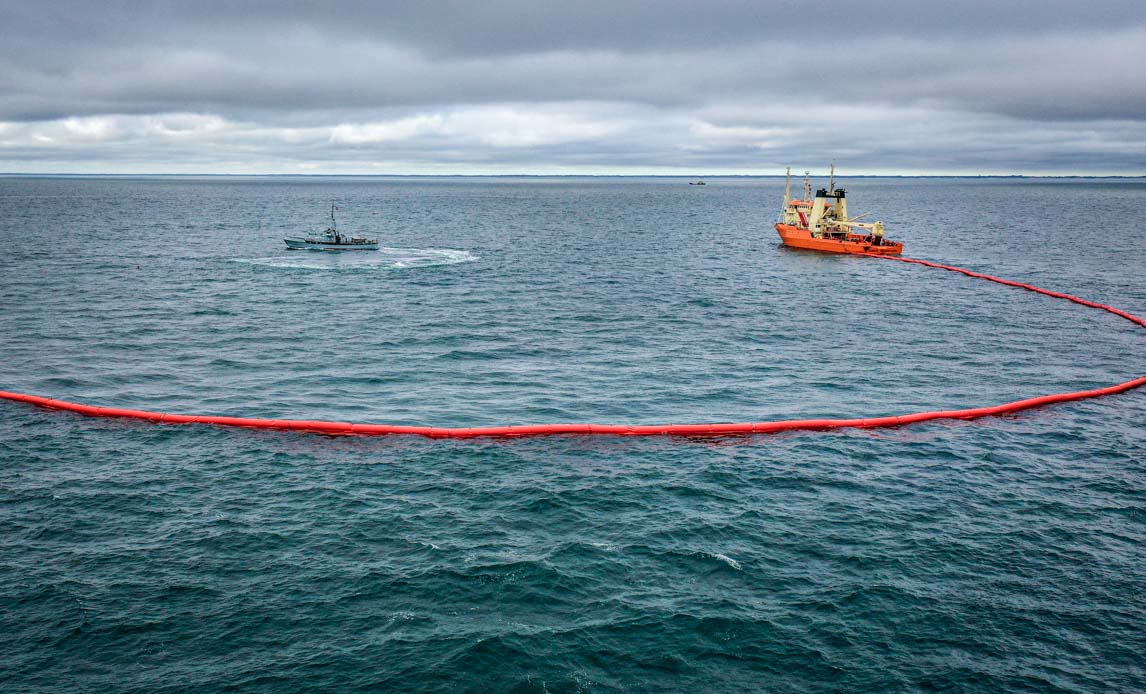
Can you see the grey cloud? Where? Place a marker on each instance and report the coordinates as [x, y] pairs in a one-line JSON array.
[[460, 27], [713, 84], [584, 137], [1044, 78]]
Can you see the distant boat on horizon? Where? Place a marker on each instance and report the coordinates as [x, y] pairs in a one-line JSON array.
[[697, 183]]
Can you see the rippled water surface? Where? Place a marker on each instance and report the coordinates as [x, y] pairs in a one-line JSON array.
[[1004, 553]]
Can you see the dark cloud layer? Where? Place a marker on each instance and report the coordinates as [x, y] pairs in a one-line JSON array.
[[1039, 87], [497, 27]]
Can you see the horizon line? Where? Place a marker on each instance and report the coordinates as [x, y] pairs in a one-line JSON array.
[[64, 174]]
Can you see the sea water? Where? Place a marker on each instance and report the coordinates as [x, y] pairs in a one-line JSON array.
[[1004, 553]]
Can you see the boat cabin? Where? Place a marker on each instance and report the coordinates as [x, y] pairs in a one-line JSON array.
[[822, 222], [826, 214]]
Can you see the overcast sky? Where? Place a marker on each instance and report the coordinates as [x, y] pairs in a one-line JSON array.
[[517, 86]]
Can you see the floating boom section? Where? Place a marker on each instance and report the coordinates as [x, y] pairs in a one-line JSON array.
[[689, 430]]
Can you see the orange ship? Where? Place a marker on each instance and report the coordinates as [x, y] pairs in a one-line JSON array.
[[822, 223]]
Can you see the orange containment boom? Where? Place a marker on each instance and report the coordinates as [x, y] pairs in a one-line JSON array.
[[348, 429]]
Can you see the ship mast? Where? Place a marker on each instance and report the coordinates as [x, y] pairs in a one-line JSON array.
[[807, 186], [832, 180], [333, 227], [787, 186]]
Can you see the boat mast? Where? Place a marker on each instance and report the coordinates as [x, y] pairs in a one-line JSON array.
[[832, 180], [333, 227], [807, 186], [787, 186]]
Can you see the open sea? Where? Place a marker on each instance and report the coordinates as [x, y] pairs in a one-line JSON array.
[[1000, 554]]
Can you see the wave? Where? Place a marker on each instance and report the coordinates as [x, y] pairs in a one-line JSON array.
[[382, 259]]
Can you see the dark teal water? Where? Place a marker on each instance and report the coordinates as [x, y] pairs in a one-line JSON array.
[[1004, 553]]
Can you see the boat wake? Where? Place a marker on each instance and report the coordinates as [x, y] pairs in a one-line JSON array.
[[382, 259]]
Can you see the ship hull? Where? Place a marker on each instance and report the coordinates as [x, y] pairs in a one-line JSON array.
[[305, 245], [794, 237]]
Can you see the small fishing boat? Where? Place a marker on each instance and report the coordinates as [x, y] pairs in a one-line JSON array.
[[697, 183], [822, 223], [331, 240]]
